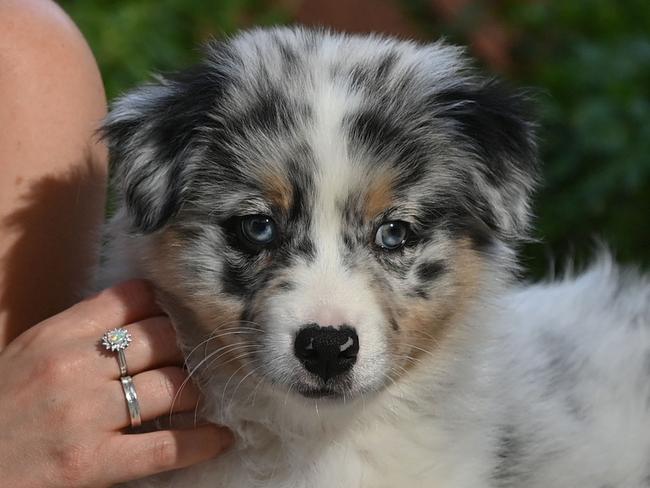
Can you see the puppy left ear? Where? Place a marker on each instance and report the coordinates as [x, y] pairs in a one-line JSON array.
[[495, 122], [149, 133]]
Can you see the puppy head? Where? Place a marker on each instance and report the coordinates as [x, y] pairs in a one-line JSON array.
[[318, 210]]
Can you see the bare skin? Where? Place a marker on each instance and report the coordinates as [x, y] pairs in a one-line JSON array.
[[63, 416], [52, 168]]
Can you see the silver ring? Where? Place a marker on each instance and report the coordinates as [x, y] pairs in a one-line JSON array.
[[118, 340], [131, 401]]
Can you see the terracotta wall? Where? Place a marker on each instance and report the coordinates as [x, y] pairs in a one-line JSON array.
[[488, 38]]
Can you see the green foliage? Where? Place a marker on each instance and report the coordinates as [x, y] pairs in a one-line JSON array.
[[592, 59], [133, 38]]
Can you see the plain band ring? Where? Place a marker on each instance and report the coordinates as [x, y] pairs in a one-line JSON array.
[[118, 340], [131, 401]]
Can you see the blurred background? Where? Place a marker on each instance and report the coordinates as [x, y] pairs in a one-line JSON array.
[[588, 60]]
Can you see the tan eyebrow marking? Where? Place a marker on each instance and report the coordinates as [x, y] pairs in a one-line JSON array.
[[278, 190], [379, 195]]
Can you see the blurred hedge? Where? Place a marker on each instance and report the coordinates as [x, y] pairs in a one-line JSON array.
[[593, 60], [133, 38], [590, 60]]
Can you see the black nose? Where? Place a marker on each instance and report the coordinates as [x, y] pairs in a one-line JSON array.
[[327, 351]]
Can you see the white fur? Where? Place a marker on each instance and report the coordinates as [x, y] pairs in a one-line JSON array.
[[416, 434]]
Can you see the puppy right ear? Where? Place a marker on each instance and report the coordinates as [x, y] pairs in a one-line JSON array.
[[151, 136]]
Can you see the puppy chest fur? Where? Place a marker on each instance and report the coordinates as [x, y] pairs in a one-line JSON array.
[[330, 221]]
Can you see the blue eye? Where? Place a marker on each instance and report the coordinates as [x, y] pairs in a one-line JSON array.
[[258, 229], [392, 235]]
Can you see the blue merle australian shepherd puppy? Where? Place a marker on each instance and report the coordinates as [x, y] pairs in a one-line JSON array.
[[331, 223]]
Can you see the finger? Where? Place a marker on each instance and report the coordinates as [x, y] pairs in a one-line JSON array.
[[153, 345], [140, 455], [122, 304], [180, 420], [125, 303], [158, 392]]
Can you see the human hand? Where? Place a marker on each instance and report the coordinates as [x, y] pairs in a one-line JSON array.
[[63, 413]]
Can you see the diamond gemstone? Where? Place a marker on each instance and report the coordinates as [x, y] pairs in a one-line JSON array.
[[116, 339]]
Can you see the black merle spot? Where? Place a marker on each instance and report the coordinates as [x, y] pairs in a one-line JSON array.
[[289, 56], [243, 276], [457, 220], [393, 323], [385, 138], [304, 248], [430, 270], [376, 132], [398, 263], [480, 235], [386, 65], [234, 280], [271, 112], [360, 76], [302, 187], [348, 241], [371, 77], [511, 453], [497, 121]]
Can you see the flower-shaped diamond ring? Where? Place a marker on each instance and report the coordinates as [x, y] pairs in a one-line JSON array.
[[118, 340]]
